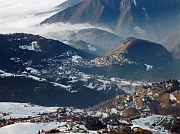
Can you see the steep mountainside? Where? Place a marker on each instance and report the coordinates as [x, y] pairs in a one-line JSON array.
[[22, 48], [98, 37], [23, 89], [79, 13], [149, 19], [45, 65], [67, 4], [85, 47], [172, 43], [136, 59], [20, 42], [159, 98], [142, 51], [44, 71]]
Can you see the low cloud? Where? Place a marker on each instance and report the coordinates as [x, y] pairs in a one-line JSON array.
[[139, 30], [20, 16]]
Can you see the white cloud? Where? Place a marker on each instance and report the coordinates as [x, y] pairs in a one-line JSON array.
[[19, 8], [139, 30], [20, 16]]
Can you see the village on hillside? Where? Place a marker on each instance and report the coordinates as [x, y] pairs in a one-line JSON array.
[[152, 108]]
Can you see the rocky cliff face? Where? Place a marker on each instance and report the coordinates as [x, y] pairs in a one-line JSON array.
[[148, 19]]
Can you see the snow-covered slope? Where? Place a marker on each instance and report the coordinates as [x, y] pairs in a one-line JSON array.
[[146, 123], [22, 110], [28, 128]]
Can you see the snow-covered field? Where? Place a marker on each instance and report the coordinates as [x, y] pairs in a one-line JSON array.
[[146, 123], [20, 110], [33, 128], [28, 128]]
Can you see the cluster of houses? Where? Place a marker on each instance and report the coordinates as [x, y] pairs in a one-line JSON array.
[[110, 60], [112, 115], [169, 86], [64, 71], [74, 120]]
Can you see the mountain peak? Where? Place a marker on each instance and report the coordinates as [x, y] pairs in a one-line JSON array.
[[89, 11], [143, 51], [149, 19]]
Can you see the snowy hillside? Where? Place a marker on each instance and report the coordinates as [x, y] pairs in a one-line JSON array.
[[28, 128], [147, 123], [22, 110]]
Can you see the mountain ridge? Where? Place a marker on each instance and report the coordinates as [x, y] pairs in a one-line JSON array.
[[172, 43], [139, 50], [150, 19], [136, 59]]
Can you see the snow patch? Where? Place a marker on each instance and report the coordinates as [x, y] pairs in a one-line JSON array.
[[113, 110], [32, 47], [61, 85], [113, 79], [105, 84], [148, 67], [135, 3], [35, 78], [85, 77], [146, 123], [32, 70], [104, 81], [1, 71], [67, 42], [76, 58], [172, 97], [90, 86], [5, 74], [91, 48]]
